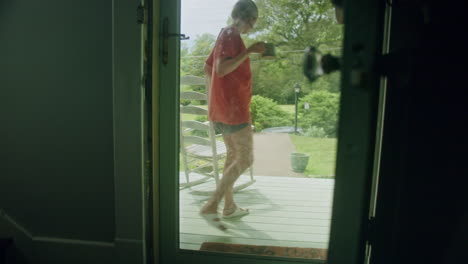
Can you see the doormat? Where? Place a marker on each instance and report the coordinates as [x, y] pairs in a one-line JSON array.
[[276, 251]]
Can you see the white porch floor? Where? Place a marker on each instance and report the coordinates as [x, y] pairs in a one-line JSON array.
[[284, 211]]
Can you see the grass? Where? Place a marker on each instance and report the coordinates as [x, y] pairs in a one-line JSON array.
[[322, 153]]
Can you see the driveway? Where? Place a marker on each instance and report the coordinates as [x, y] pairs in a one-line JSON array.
[[272, 155]]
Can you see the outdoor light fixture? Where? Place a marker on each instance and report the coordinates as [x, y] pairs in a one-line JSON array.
[[297, 89]]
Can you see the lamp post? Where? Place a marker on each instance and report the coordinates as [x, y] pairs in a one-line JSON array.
[[297, 89]]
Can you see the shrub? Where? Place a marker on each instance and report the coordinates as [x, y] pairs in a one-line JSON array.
[[315, 132], [322, 112], [185, 102], [267, 113], [200, 133]]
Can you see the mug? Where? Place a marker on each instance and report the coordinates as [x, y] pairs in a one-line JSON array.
[[269, 51]]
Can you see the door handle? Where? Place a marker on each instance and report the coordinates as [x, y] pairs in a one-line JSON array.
[[165, 36], [316, 65], [182, 36]]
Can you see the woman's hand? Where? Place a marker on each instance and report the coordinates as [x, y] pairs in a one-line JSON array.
[[258, 47], [227, 65]]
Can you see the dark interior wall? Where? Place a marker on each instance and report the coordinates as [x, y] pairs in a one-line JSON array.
[[421, 211], [56, 132]]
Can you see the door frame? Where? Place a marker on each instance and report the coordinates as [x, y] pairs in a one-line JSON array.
[[360, 108]]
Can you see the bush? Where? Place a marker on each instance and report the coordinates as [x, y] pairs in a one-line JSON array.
[[322, 112], [200, 133], [185, 102], [266, 113], [315, 132]]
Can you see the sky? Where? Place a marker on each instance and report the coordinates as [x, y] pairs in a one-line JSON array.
[[204, 16]]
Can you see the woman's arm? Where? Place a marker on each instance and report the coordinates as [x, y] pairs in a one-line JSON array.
[[228, 65], [207, 70]]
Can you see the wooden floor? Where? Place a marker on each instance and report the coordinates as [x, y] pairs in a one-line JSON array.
[[284, 211]]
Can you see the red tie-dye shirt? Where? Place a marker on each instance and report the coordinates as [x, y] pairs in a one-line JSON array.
[[230, 95]]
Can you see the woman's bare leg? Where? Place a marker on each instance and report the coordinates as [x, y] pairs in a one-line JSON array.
[[244, 155], [240, 144]]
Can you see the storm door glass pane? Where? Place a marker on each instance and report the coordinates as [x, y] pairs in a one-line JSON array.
[[290, 130]]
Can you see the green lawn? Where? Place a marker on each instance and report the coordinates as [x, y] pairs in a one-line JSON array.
[[322, 153]]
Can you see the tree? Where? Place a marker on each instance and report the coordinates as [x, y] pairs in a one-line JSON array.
[[298, 24], [193, 60], [291, 26]]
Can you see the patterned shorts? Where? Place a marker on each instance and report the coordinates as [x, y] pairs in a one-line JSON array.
[[221, 128]]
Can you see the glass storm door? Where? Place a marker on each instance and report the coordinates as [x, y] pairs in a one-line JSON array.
[[296, 215]]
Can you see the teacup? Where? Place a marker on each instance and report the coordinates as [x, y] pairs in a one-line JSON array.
[[269, 51]]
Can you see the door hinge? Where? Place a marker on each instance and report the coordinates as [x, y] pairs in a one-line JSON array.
[[371, 231], [142, 14]]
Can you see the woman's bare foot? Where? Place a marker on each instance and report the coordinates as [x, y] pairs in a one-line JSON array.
[[209, 212], [209, 208], [214, 220], [229, 208], [235, 213]]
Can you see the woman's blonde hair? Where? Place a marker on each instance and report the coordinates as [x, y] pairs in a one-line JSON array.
[[244, 10]]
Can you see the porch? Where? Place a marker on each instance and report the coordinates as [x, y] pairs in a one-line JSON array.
[[284, 211]]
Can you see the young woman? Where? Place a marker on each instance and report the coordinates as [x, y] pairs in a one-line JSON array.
[[228, 67]]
